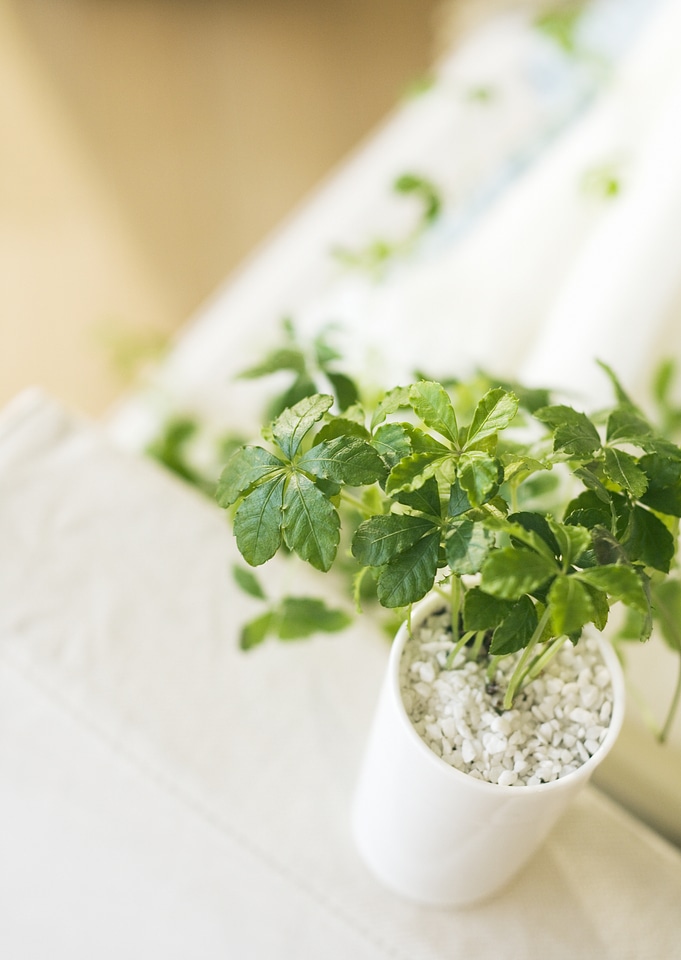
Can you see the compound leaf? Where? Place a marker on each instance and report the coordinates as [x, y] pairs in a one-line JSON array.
[[431, 403], [344, 459], [311, 523], [410, 575], [380, 539], [258, 520], [291, 426], [494, 412], [246, 467]]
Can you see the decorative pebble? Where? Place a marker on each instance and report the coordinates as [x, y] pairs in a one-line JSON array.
[[581, 715], [507, 778], [556, 725]]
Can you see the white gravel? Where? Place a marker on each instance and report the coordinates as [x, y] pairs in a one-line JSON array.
[[557, 722]]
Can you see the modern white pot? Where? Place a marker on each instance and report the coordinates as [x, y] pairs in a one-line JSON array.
[[436, 835]]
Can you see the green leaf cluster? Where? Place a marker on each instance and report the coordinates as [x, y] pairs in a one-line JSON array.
[[430, 494], [288, 497]]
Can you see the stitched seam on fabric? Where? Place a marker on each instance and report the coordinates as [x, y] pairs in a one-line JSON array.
[[165, 782]]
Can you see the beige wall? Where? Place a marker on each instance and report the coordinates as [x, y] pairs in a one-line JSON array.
[[148, 145]]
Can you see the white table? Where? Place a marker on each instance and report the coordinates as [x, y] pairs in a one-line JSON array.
[[163, 794]]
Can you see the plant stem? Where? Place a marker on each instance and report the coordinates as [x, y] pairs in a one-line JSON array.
[[673, 707], [477, 646], [491, 669], [459, 645], [455, 606], [545, 657], [518, 674]]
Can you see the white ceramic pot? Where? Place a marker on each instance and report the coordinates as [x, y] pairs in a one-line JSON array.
[[436, 835]]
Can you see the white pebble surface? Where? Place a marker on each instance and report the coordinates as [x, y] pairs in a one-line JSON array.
[[557, 721]]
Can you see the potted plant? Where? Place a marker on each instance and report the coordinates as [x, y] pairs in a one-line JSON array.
[[522, 526]]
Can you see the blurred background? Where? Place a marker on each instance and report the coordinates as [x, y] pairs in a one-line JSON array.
[[149, 145]]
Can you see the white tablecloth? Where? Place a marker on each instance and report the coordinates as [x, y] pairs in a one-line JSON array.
[[164, 795]]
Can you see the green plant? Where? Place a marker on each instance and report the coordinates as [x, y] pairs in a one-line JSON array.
[[430, 502]]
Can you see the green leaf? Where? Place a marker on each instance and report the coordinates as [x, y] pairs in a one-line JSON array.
[[380, 539], [591, 481], [587, 518], [257, 521], [412, 472], [621, 468], [573, 433], [299, 617], [311, 523], [342, 427], [601, 607], [494, 413], [621, 394], [422, 442], [284, 359], [255, 631], [530, 399], [518, 467], [330, 488], [357, 414], [291, 426], [517, 629], [649, 540], [431, 403], [509, 573], [589, 501], [526, 535], [479, 475], [246, 467], [660, 446], [619, 582], [426, 499], [482, 611], [664, 484], [344, 460], [573, 541], [538, 524], [248, 582], [391, 402], [467, 546], [324, 352], [425, 190], [392, 442], [607, 548], [571, 606], [663, 381], [458, 501], [411, 575], [301, 388], [345, 389], [626, 425]]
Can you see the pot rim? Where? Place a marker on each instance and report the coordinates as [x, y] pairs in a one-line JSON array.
[[424, 608]]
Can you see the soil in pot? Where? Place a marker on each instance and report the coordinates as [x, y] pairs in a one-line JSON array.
[[557, 722]]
